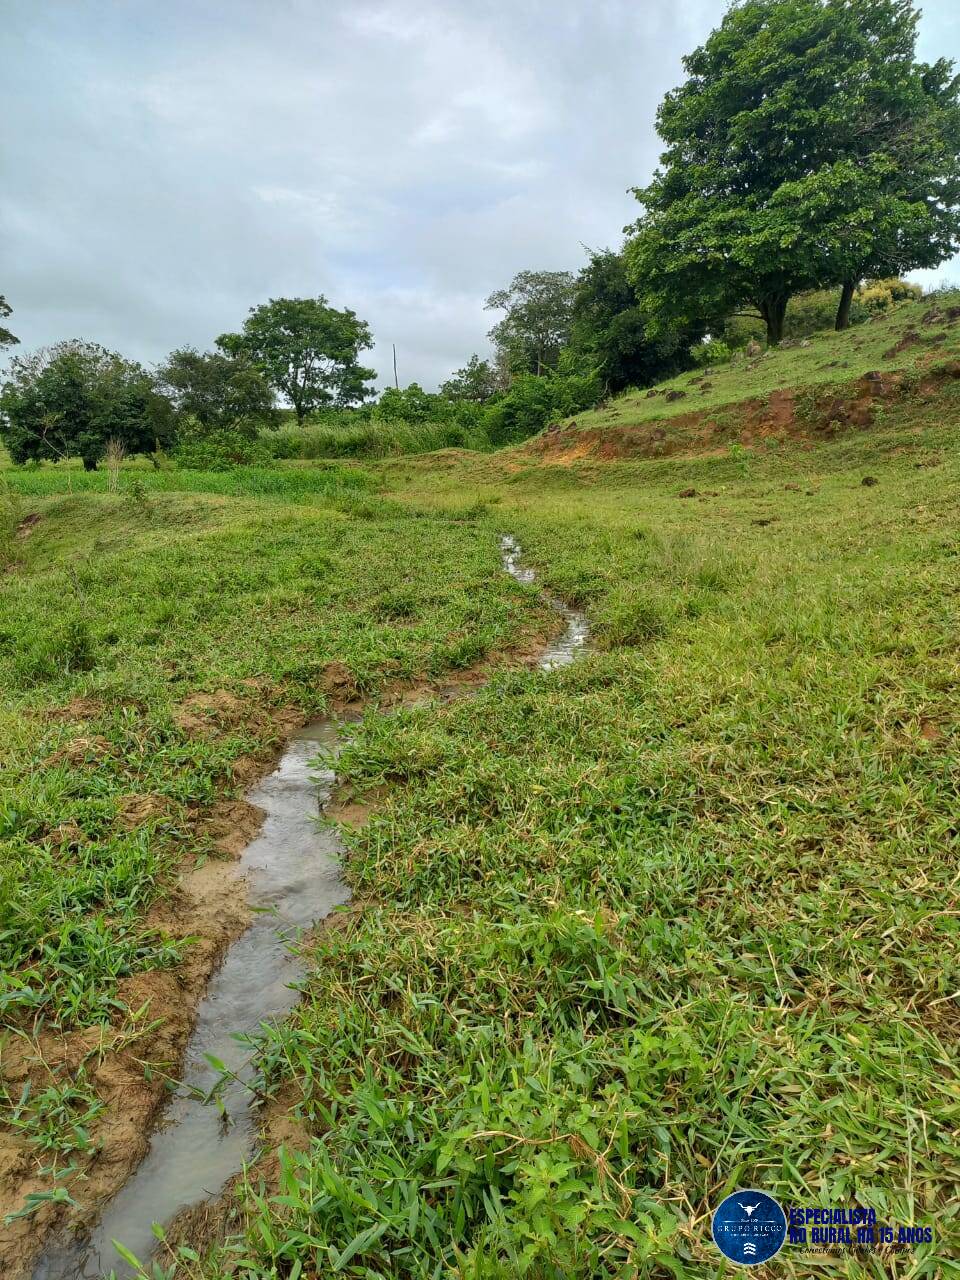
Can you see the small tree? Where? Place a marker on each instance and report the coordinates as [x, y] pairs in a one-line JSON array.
[[476, 381], [806, 147], [308, 352], [7, 339], [218, 392], [69, 400], [539, 311]]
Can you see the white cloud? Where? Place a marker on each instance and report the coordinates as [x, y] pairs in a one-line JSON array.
[[173, 164]]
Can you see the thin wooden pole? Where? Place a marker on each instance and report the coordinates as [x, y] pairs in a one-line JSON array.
[[396, 380]]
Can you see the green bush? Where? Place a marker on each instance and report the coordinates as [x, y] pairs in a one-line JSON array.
[[532, 402], [221, 450], [709, 353]]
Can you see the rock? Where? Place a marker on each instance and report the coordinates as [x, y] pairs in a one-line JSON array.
[[805, 342], [675, 395], [795, 488], [753, 348], [869, 481], [688, 493]]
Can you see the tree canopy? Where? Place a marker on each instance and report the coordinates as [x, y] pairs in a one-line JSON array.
[[806, 147], [71, 399], [539, 311], [7, 339], [308, 352], [610, 326], [218, 392], [477, 381]]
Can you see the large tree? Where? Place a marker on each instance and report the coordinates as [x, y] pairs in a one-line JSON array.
[[807, 147], [218, 392], [71, 399], [308, 351], [610, 326], [539, 310], [7, 339]]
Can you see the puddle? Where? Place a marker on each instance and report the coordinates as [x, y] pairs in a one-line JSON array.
[[294, 879]]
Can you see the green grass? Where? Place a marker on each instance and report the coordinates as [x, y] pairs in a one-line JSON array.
[[685, 907], [132, 605], [292, 484], [678, 919]]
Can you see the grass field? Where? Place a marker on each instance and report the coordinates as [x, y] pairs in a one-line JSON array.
[[679, 919]]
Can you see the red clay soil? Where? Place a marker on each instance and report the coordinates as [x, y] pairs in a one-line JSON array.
[[789, 413]]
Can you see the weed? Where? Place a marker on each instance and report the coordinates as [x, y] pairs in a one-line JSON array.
[[57, 1118]]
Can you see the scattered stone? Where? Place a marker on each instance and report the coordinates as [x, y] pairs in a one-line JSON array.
[[810, 492], [707, 386], [688, 493], [805, 342], [869, 481], [765, 520], [674, 394], [753, 348], [795, 488], [652, 392]]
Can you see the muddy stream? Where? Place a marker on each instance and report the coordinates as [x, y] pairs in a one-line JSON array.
[[294, 879]]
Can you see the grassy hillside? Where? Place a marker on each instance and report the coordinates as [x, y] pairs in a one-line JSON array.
[[679, 919], [906, 346]]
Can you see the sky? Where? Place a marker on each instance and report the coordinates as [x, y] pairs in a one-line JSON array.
[[168, 164]]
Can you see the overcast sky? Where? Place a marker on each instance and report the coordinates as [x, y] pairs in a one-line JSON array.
[[167, 164]]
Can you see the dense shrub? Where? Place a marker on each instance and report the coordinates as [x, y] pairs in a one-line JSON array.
[[74, 399], [201, 450]]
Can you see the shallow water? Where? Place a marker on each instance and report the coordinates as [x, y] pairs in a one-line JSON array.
[[294, 878], [563, 651], [293, 871]]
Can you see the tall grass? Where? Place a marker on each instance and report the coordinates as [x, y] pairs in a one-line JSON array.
[[375, 440], [290, 484]]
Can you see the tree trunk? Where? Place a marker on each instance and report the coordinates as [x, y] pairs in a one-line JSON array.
[[843, 311], [774, 310]]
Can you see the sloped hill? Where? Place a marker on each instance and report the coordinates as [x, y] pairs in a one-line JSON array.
[[808, 389]]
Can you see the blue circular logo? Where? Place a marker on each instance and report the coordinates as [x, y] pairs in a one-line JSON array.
[[749, 1227]]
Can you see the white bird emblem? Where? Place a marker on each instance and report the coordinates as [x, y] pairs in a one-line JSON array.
[[750, 1209]]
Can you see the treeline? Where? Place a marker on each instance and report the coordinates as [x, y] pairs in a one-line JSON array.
[[810, 161]]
